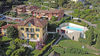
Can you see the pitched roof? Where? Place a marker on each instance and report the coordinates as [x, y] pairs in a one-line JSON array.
[[21, 6], [6, 26], [32, 7], [49, 11], [35, 21]]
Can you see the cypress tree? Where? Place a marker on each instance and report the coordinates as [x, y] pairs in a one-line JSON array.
[[98, 41]]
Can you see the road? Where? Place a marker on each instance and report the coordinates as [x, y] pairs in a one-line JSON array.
[[89, 23], [13, 18]]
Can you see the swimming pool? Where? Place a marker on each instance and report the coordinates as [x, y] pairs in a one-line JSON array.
[[74, 28]]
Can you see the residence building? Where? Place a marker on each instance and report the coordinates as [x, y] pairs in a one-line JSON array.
[[49, 13], [32, 29], [72, 31], [24, 9]]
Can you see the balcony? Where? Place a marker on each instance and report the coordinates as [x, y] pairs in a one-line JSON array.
[[29, 32]]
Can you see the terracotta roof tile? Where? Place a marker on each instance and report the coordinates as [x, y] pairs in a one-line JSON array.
[[35, 21], [6, 26], [49, 11]]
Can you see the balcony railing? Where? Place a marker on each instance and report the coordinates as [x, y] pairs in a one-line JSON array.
[[30, 32]]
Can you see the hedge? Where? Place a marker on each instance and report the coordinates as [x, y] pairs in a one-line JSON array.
[[41, 52]]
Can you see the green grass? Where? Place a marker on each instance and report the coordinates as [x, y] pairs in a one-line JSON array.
[[68, 54], [65, 44]]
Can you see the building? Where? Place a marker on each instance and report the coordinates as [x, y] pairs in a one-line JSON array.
[[72, 31], [48, 13], [32, 29], [23, 9]]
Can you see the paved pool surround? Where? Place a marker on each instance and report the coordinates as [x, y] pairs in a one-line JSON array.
[[72, 31]]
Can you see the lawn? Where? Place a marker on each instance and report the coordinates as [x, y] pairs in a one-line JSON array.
[[72, 48]]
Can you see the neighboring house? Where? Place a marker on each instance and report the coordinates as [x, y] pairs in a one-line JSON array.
[[49, 13], [2, 17], [24, 9], [32, 29], [72, 31]]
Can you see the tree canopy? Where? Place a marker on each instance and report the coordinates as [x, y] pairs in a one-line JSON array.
[[12, 32]]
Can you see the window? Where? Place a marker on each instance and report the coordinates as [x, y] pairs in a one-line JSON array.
[[38, 30], [27, 29], [22, 28], [37, 35], [32, 35], [32, 29], [29, 24]]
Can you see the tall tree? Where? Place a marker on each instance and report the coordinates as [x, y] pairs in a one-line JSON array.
[[90, 36], [60, 2], [12, 32], [9, 1], [98, 41]]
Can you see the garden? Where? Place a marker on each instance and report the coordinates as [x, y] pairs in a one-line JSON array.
[[70, 48]]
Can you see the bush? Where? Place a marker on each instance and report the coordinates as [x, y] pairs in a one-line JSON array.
[[44, 8], [12, 32], [54, 18], [82, 40], [8, 52], [13, 14], [33, 44], [6, 39], [45, 48], [2, 23]]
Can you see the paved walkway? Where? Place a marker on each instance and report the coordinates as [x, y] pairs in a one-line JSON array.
[[89, 23], [58, 40]]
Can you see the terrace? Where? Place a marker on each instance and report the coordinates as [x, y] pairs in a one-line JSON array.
[[71, 30]]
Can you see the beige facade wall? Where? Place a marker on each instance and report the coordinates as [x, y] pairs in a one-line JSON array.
[[73, 36], [40, 33]]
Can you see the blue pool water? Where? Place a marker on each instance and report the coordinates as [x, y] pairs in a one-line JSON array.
[[74, 28]]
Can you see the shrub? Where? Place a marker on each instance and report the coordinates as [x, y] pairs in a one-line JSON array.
[[2, 23], [45, 48], [8, 52], [12, 32], [33, 44]]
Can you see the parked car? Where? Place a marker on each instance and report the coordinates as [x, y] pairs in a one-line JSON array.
[[2, 17]]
